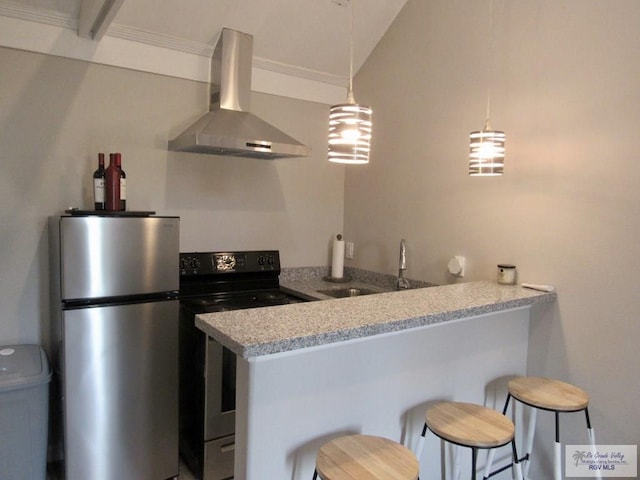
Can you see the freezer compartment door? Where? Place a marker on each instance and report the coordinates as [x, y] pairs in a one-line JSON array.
[[118, 256], [121, 391]]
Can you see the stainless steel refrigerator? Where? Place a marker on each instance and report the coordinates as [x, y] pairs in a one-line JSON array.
[[115, 342]]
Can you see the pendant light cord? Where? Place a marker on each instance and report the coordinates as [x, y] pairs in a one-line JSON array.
[[487, 126], [350, 98]]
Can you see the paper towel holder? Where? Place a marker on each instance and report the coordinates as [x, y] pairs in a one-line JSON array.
[[337, 262]]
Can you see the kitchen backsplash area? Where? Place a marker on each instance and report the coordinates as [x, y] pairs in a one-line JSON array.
[[382, 280]]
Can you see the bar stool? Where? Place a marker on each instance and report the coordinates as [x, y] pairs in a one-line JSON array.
[[365, 457], [551, 395], [473, 426]]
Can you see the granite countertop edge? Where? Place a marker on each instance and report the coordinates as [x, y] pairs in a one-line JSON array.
[[266, 331]]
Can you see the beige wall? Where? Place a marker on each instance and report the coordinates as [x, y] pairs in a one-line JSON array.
[[57, 114], [565, 89]]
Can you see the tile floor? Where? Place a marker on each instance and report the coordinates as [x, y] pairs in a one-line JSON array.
[[185, 473]]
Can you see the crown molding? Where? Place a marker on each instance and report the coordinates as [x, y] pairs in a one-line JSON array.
[[47, 17], [52, 33], [160, 40]]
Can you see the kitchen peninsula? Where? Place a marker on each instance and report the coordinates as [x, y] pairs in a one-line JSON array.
[[308, 372]]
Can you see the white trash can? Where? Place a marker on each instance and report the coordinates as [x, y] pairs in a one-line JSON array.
[[24, 403]]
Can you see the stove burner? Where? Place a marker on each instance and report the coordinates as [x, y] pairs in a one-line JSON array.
[[205, 301], [239, 301], [272, 298]]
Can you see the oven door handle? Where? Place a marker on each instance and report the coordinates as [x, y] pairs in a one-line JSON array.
[[229, 447]]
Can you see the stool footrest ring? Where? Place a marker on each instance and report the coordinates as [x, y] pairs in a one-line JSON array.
[[506, 467]]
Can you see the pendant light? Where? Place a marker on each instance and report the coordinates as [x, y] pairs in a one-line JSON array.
[[486, 147], [350, 123]]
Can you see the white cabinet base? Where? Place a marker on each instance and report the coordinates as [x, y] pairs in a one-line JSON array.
[[289, 404]]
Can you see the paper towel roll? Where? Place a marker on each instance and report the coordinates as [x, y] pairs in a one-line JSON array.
[[337, 261]]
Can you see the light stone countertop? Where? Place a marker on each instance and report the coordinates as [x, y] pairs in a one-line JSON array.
[[263, 331]]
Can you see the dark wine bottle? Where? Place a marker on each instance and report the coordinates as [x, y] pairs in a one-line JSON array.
[[112, 184], [123, 183], [98, 184]]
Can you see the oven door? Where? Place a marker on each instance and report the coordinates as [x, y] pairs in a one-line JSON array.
[[220, 393]]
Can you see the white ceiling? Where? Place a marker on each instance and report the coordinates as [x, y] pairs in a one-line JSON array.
[[301, 34]]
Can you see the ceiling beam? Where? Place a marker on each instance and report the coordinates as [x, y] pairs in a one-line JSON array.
[[96, 16]]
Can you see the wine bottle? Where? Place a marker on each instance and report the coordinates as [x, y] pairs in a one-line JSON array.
[[112, 184], [123, 183], [98, 184]]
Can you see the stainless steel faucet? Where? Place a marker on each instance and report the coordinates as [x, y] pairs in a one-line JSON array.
[[402, 283]]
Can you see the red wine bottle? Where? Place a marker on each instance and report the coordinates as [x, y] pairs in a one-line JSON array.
[[123, 183], [112, 184], [98, 184]]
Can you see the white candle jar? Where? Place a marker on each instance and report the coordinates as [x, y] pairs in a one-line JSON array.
[[506, 274]]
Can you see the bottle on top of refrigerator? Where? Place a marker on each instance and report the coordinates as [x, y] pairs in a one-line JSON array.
[[123, 183], [112, 185], [98, 184]]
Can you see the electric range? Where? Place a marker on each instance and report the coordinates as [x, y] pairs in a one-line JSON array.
[[217, 282]]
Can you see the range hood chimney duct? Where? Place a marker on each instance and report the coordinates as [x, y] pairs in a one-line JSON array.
[[229, 128]]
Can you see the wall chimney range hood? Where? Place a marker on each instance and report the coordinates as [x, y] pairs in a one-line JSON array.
[[229, 128]]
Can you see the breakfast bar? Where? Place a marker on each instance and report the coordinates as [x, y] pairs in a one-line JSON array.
[[371, 364]]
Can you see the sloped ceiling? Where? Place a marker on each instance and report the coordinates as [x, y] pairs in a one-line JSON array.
[[296, 38]]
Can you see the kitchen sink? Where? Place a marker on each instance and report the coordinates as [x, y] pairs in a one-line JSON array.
[[347, 292]]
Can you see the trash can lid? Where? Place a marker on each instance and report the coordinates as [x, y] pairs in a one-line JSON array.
[[22, 366]]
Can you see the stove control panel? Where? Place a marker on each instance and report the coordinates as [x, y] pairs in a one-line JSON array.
[[214, 263]]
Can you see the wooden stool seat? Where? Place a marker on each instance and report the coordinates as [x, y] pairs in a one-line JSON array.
[[365, 457], [469, 425], [548, 394], [473, 426], [552, 395]]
